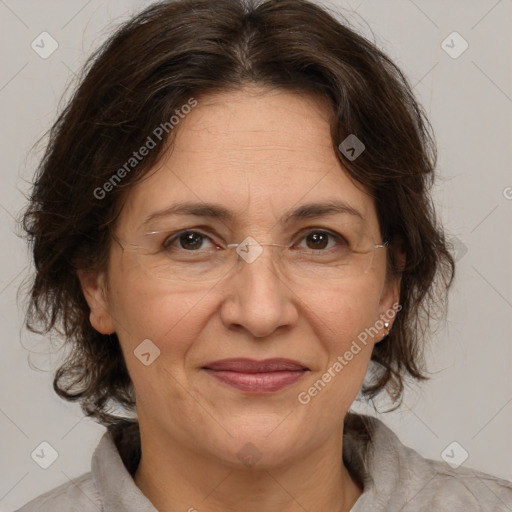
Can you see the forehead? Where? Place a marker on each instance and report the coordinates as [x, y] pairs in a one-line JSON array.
[[258, 153]]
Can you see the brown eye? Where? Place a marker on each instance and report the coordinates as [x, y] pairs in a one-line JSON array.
[[191, 240], [187, 240], [317, 240], [322, 240]]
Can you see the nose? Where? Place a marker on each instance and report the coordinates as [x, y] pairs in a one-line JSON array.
[[258, 298]]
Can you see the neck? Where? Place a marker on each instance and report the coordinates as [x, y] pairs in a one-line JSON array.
[[187, 480]]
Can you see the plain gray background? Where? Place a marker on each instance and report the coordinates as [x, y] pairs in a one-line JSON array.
[[469, 102]]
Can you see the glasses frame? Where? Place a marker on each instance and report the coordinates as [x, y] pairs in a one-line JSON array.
[[244, 243]]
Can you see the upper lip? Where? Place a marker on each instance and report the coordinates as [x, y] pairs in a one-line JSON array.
[[245, 365]]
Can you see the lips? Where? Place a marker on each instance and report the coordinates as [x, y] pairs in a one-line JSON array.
[[244, 365], [252, 376]]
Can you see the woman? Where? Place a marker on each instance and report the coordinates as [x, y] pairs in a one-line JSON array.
[[231, 226]]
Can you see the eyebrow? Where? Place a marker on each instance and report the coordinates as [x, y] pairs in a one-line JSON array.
[[217, 211]]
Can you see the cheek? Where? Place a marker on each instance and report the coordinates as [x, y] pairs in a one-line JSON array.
[[343, 320], [343, 312], [172, 321], [146, 309], [340, 316]]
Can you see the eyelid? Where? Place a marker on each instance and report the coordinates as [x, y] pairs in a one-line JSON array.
[[209, 227], [317, 229], [203, 230], [173, 236]]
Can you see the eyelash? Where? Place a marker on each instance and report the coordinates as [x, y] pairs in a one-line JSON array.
[[167, 243]]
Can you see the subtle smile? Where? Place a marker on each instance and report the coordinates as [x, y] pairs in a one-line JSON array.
[[254, 376]]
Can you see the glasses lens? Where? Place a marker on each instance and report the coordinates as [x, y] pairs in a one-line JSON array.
[[341, 263], [199, 269], [325, 255]]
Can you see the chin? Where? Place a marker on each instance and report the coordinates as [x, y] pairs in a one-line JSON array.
[[259, 447]]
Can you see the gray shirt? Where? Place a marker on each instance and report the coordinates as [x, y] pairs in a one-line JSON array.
[[394, 478]]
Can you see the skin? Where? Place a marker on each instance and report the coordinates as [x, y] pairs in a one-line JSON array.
[[258, 153]]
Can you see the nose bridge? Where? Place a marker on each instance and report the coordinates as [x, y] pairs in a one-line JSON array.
[[250, 250], [258, 262], [259, 299], [263, 259]]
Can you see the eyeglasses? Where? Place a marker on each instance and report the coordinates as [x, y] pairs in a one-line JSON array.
[[193, 256]]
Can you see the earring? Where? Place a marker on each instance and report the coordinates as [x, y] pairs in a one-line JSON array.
[[386, 325]]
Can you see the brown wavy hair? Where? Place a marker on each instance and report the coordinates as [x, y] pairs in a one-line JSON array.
[[151, 66]]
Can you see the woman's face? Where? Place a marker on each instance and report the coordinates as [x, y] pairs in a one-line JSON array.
[[258, 154]]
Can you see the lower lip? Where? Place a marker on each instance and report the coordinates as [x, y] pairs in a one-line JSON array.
[[257, 382]]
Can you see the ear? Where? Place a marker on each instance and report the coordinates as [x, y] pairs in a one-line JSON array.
[[95, 292], [389, 303], [390, 295]]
